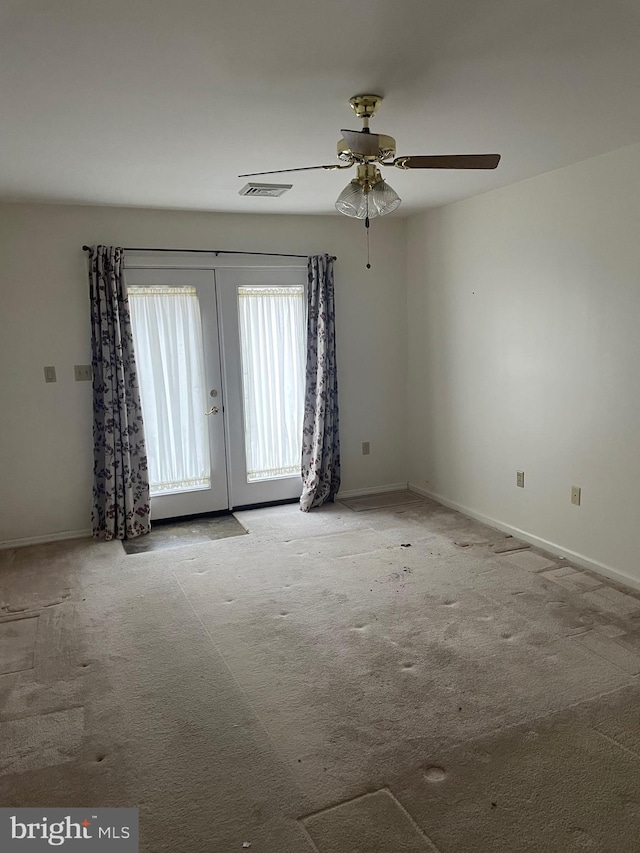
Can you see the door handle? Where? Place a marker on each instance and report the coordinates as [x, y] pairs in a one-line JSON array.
[[213, 411]]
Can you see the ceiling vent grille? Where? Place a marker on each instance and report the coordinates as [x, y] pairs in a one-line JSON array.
[[267, 190]]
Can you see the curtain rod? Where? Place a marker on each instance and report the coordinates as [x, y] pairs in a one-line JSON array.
[[215, 252]]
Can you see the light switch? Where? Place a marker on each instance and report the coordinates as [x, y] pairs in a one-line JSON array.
[[82, 372], [50, 374]]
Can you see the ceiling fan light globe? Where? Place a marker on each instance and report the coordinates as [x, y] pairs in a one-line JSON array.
[[383, 199], [352, 201]]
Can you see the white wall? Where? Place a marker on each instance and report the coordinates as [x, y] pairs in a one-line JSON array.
[[45, 429], [524, 353]]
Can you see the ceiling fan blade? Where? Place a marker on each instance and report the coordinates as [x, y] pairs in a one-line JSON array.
[[301, 169], [449, 161], [362, 143]]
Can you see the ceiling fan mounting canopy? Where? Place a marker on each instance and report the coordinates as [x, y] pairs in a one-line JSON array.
[[365, 106]]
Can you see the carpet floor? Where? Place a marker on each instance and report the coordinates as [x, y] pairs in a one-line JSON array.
[[398, 679]]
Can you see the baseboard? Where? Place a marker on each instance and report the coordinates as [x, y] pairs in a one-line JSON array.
[[551, 547], [48, 537], [371, 490]]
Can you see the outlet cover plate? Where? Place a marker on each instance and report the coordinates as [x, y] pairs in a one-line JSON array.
[[520, 479], [576, 494]]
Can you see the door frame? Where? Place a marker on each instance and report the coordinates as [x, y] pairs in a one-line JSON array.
[[209, 261]]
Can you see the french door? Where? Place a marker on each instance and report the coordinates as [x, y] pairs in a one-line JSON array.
[[175, 327], [263, 324], [220, 357]]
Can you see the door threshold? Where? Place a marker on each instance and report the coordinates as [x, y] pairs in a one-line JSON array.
[[264, 504], [216, 513], [194, 517]]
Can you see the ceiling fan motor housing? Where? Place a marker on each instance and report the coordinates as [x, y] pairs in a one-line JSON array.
[[387, 150]]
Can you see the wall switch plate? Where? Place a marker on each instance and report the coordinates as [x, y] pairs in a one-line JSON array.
[[82, 372], [366, 448], [575, 495], [50, 374], [520, 479]]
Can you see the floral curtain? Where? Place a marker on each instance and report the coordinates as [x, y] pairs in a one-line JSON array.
[[121, 508], [320, 436]]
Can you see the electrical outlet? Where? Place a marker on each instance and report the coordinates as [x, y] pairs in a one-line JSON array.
[[366, 448], [82, 372], [576, 492], [50, 374], [520, 479]]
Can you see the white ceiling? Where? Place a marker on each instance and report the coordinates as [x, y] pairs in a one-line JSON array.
[[162, 103]]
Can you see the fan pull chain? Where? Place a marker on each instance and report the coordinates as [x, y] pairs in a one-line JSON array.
[[366, 225]]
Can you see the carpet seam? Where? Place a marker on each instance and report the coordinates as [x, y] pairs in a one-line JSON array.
[[539, 717], [240, 687], [613, 741]]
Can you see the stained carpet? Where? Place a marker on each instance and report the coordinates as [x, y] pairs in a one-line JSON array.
[[398, 679]]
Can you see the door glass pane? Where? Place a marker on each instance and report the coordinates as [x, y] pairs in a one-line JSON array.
[[167, 334], [272, 343]]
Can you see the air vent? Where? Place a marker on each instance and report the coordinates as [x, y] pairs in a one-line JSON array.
[[269, 190]]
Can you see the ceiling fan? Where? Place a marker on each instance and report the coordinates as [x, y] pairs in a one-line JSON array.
[[368, 194]]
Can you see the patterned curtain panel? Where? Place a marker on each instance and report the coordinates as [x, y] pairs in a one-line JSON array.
[[121, 507], [320, 437]]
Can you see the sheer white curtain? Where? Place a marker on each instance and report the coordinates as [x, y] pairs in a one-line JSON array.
[[167, 332], [272, 341]]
